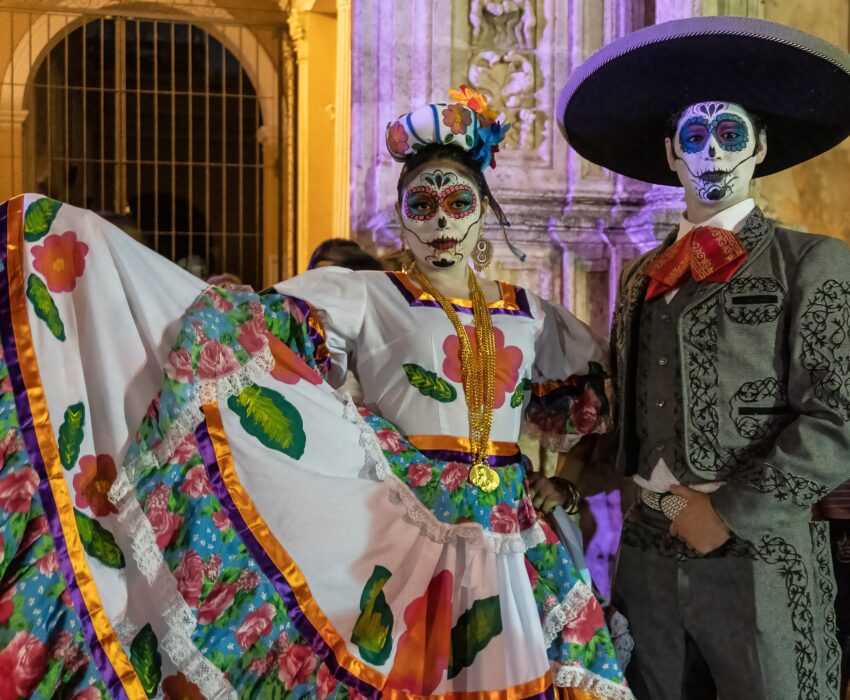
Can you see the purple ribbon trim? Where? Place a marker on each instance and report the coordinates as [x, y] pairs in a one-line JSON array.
[[278, 580], [466, 457], [25, 422], [521, 300], [315, 337]]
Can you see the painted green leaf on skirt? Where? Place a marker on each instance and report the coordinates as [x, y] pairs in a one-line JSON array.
[[39, 218], [45, 307], [271, 419], [519, 393], [71, 434], [373, 630], [473, 632], [429, 384], [98, 541], [146, 659]]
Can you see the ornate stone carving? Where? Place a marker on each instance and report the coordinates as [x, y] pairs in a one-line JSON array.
[[503, 64], [509, 78], [503, 23]]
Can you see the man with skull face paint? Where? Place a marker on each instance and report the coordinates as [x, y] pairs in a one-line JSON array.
[[729, 353]]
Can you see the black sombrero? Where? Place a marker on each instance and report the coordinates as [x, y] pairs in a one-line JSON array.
[[614, 106]]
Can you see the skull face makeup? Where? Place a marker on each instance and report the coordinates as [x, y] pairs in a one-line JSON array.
[[714, 152], [441, 213]]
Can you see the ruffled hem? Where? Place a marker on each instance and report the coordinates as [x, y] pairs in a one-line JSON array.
[[180, 618], [177, 642], [566, 612], [582, 679]]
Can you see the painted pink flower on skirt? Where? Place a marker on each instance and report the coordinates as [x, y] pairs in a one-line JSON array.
[[325, 683], [216, 360], [589, 620], [23, 663], [61, 259], [390, 440], [503, 519], [196, 484], [255, 625], [178, 366], [190, 578], [454, 475], [92, 484], [419, 474], [584, 411], [17, 489], [220, 599], [295, 664]]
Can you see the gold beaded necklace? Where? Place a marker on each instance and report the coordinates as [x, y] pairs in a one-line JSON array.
[[478, 373]]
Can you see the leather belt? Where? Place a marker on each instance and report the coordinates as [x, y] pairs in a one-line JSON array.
[[667, 503]]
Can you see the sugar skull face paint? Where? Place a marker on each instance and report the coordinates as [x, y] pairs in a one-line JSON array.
[[715, 151], [441, 214]]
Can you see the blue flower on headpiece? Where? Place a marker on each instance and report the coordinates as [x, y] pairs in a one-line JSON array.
[[487, 143]]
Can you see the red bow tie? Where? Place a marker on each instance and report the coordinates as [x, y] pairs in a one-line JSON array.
[[708, 254]]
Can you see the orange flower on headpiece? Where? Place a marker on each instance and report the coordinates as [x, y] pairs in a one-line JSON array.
[[475, 101]]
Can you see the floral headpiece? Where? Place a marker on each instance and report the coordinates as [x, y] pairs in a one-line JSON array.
[[468, 123]]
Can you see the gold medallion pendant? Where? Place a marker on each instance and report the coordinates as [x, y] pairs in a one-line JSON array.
[[484, 477]]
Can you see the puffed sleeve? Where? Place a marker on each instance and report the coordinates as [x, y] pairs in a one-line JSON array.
[[568, 385], [332, 303]]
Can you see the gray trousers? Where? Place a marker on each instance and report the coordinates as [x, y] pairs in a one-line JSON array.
[[751, 621]]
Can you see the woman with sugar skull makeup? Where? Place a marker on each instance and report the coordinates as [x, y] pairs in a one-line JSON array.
[[261, 535], [731, 343]]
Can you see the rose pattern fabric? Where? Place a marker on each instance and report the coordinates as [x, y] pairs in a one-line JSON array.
[[242, 621], [17, 489], [61, 259]]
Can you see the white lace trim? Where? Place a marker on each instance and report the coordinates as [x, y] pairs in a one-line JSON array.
[[579, 677], [416, 513], [181, 621], [191, 415], [566, 613], [178, 616]]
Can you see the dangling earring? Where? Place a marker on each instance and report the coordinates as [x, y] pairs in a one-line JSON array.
[[482, 254], [406, 256]]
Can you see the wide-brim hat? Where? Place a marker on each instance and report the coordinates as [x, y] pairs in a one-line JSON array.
[[614, 107]]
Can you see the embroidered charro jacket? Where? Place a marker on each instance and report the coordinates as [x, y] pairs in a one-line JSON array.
[[765, 376]]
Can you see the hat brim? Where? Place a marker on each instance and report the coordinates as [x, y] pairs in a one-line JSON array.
[[614, 107]]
